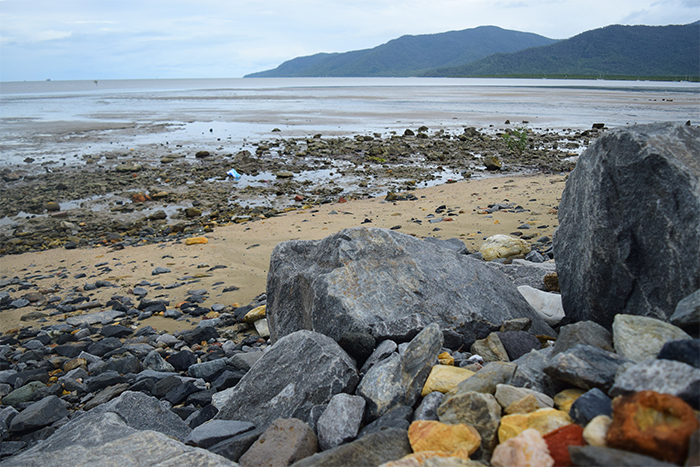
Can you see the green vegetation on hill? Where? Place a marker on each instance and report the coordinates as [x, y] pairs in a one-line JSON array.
[[410, 55], [637, 52]]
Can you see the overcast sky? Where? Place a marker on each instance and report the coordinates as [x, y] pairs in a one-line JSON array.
[[101, 39]]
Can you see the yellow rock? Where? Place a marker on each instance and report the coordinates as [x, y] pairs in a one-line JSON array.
[[543, 420], [446, 359], [564, 399], [503, 246], [596, 430], [431, 435], [255, 314], [212, 315], [195, 240], [527, 404], [443, 378]]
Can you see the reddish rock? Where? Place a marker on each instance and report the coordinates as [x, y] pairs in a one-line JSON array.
[[140, 198], [342, 200], [298, 198], [653, 424], [559, 440]]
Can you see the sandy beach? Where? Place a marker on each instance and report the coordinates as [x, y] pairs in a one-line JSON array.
[[238, 254]]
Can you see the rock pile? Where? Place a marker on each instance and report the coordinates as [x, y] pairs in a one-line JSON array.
[[383, 350]]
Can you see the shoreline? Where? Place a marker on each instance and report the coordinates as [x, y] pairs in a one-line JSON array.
[[237, 255]]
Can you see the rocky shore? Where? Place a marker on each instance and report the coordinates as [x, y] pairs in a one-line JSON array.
[[373, 347], [165, 193]]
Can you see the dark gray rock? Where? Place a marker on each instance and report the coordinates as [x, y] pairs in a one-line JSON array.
[[341, 420], [518, 343], [245, 361], [687, 314], [427, 409], [301, 370], [233, 448], [179, 393], [106, 395], [401, 329], [664, 376], [583, 332], [595, 456], [383, 350], [359, 345], [400, 417], [39, 414], [103, 346], [399, 379], [199, 334], [101, 381], [356, 278], [629, 224], [208, 371], [371, 450], [155, 362], [591, 404], [122, 364], [215, 431], [586, 367], [686, 351], [182, 360]]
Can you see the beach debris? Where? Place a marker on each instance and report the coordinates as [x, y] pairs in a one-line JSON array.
[[235, 175]]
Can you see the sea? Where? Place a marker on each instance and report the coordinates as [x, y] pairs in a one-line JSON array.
[[51, 121]]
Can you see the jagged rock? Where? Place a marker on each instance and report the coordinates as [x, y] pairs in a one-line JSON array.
[[487, 379], [586, 367], [530, 373], [39, 414], [301, 370], [383, 350], [595, 456], [359, 277], [398, 380], [687, 314], [507, 394], [518, 343], [373, 449], [479, 410], [583, 332], [341, 420], [427, 410], [639, 338], [664, 376], [590, 405], [400, 417], [155, 362], [629, 224], [209, 433], [490, 349], [686, 351], [284, 442], [430, 435]]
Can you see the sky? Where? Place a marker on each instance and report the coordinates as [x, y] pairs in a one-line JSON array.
[[150, 39]]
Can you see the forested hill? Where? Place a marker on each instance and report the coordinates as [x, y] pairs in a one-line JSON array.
[[662, 52], [411, 55]]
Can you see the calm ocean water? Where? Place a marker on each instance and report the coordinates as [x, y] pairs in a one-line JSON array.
[[63, 120]]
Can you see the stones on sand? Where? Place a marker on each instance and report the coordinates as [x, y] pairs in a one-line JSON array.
[[629, 233]]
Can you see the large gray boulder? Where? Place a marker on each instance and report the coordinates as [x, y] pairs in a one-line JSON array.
[[359, 277], [299, 371], [629, 234]]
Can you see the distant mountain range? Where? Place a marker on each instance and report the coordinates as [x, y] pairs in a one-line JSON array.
[[633, 52]]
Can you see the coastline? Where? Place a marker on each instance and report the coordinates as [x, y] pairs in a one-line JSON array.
[[244, 249]]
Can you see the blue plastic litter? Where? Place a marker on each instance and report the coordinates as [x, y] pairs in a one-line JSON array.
[[234, 174]]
